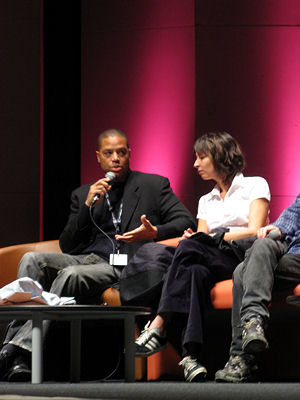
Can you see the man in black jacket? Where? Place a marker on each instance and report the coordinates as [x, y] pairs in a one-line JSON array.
[[109, 220]]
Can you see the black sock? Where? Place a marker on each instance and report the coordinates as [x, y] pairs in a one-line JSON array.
[[193, 349]]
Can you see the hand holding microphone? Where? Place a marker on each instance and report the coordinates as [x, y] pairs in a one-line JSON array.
[[99, 189], [274, 234], [270, 231]]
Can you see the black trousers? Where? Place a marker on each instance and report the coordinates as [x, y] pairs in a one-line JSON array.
[[195, 269]]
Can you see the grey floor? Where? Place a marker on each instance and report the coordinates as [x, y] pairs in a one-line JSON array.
[[151, 391], [20, 397]]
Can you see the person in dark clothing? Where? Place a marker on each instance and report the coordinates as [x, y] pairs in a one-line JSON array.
[[141, 205]]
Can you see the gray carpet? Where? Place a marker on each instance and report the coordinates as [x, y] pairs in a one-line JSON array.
[[20, 397], [153, 391]]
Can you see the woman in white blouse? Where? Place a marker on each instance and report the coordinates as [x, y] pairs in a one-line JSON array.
[[235, 209]]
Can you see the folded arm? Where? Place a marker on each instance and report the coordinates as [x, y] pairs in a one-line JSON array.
[[258, 217]]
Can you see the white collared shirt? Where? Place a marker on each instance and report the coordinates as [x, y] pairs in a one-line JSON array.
[[233, 211]]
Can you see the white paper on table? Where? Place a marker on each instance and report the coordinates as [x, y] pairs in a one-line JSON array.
[[27, 291]]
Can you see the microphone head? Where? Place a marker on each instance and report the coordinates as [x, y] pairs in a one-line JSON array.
[[110, 175], [274, 234]]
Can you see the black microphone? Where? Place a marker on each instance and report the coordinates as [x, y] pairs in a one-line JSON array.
[[110, 176], [274, 234]]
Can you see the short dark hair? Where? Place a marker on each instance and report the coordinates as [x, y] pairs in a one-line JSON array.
[[224, 151], [111, 132]]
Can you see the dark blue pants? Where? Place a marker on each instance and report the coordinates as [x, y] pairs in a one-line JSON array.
[[195, 269]]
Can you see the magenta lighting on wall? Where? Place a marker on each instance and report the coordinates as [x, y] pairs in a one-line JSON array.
[[279, 113], [147, 63], [164, 114], [139, 76], [284, 110], [248, 82]]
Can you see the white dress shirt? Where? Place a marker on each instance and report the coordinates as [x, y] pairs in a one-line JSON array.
[[232, 212]]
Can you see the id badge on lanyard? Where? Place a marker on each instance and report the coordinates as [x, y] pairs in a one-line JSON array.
[[117, 258]]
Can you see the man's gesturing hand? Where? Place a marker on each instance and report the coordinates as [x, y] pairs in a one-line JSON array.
[[146, 231]]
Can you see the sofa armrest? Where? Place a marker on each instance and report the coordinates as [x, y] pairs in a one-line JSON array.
[[221, 294], [10, 257]]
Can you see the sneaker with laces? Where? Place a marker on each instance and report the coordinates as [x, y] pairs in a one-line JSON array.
[[149, 342], [193, 370], [253, 336], [238, 369]]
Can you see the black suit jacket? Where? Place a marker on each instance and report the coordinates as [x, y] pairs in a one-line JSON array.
[[147, 194]]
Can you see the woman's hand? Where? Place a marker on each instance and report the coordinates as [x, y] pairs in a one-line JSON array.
[[186, 234]]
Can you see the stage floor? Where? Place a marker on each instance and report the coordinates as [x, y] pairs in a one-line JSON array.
[[150, 391]]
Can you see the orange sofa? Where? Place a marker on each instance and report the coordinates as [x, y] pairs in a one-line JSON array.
[[165, 363]]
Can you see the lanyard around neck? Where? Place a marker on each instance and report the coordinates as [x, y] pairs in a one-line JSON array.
[[115, 218]]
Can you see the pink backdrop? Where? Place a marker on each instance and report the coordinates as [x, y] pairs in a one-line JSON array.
[[248, 82], [164, 73], [139, 76]]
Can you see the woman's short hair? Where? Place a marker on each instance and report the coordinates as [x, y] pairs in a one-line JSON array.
[[224, 151]]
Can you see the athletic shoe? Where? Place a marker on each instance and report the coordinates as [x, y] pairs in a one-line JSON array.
[[193, 370], [149, 342], [253, 336], [238, 369]]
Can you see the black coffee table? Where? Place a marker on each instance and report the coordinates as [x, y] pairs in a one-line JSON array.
[[75, 314]]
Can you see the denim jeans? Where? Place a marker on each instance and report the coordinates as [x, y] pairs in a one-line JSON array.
[[83, 276], [253, 282]]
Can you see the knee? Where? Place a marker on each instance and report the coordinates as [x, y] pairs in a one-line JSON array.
[[181, 250], [27, 265], [33, 258], [188, 245], [184, 252], [28, 257], [264, 244]]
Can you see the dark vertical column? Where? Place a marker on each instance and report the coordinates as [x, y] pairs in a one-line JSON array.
[[19, 121], [62, 109]]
